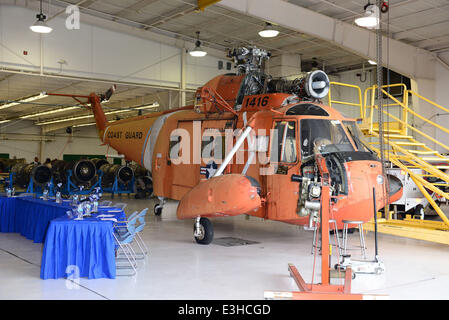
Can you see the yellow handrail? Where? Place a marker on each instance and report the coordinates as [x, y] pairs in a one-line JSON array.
[[428, 101], [406, 108], [372, 91], [359, 91], [416, 130]]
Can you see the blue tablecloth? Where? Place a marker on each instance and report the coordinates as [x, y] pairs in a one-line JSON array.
[[28, 216], [88, 244], [33, 216], [7, 214]]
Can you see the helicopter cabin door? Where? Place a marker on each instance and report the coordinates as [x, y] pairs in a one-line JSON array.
[[282, 193], [191, 152], [180, 159]]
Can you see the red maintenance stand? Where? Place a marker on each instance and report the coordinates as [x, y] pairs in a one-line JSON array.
[[323, 290]]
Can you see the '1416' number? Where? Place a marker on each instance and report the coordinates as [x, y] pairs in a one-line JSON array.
[[257, 102]]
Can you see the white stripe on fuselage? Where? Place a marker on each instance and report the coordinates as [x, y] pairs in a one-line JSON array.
[[149, 148]]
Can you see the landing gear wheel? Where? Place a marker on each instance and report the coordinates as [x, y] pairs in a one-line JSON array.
[[157, 210], [419, 211], [206, 232], [353, 276]]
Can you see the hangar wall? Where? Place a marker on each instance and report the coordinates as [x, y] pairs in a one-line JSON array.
[[96, 53], [23, 141]]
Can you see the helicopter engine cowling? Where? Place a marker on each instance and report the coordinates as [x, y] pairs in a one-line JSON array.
[[314, 85]]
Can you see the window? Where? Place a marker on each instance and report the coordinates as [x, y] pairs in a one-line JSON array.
[[307, 109], [324, 136], [356, 135], [283, 147]]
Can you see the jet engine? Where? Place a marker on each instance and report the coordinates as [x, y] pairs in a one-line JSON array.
[[99, 162], [250, 62], [314, 85], [84, 172], [123, 174], [144, 183], [7, 164], [24, 173]]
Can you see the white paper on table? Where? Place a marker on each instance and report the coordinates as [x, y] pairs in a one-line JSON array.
[[109, 219], [105, 215], [114, 210]]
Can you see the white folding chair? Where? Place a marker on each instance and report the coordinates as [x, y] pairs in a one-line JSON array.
[[120, 205]]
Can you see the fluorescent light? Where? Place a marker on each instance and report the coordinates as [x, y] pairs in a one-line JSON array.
[[154, 105], [88, 124], [48, 112], [32, 98], [63, 120], [268, 31], [84, 125], [370, 19], [3, 121], [372, 62]]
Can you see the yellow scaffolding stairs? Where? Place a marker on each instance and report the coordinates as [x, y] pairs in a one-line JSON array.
[[408, 148]]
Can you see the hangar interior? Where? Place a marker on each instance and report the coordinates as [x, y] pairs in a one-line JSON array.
[[144, 47]]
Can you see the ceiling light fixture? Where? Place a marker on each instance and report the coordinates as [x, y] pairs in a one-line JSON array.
[[154, 105], [40, 26], [268, 31], [372, 62], [198, 51], [84, 124], [370, 19], [44, 113], [32, 98]]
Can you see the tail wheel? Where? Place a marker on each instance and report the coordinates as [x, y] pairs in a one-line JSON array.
[[205, 234], [157, 210]]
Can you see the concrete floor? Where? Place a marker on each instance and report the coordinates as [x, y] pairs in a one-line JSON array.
[[178, 268]]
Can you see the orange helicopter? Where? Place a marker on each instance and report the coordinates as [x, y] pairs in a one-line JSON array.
[[250, 145]]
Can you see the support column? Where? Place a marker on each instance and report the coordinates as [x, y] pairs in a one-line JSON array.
[[182, 93], [41, 145], [285, 65]]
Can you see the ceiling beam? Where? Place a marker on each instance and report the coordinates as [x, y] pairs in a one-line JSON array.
[[403, 58], [170, 15], [135, 8]]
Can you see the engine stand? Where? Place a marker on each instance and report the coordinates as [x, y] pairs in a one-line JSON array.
[[323, 290]]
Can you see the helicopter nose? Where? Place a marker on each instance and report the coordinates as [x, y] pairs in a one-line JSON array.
[[395, 188]]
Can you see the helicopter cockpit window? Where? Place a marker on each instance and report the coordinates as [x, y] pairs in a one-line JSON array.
[[283, 148], [356, 135], [324, 136], [307, 109]]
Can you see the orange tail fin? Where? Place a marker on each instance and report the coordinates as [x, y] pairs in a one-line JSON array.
[[100, 117]]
